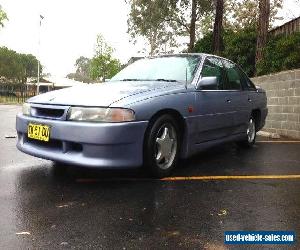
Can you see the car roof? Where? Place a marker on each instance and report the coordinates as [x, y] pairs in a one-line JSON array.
[[187, 54]]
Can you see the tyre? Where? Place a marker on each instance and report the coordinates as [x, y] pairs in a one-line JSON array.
[[250, 138], [161, 146]]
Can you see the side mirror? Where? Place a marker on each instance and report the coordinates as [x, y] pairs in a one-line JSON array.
[[207, 82]]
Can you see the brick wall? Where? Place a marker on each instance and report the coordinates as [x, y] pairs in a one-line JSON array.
[[283, 92]]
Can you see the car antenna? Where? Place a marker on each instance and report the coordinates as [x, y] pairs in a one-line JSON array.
[[186, 74], [186, 78]]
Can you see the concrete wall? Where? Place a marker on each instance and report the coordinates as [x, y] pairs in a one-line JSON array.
[[283, 92]]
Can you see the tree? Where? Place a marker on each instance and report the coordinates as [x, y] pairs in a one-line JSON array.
[[29, 66], [17, 67], [245, 13], [239, 46], [217, 34], [83, 66], [185, 16], [82, 74], [160, 22], [3, 17], [240, 14], [103, 65], [147, 20], [263, 25], [192, 27]]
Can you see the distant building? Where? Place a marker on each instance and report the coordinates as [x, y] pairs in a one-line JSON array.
[[287, 28], [52, 83]]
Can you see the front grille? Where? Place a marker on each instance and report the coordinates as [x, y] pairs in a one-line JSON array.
[[51, 144], [56, 145], [48, 112]]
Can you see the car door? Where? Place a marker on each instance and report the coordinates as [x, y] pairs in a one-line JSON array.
[[238, 98], [214, 112]]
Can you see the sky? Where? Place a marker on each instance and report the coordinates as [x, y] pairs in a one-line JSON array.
[[70, 27]]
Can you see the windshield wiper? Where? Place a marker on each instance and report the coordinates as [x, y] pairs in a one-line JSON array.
[[130, 79], [165, 80]]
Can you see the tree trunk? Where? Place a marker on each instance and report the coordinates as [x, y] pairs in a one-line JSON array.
[[192, 29], [263, 25], [153, 43], [217, 35]]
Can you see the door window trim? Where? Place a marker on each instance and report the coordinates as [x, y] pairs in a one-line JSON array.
[[200, 73]]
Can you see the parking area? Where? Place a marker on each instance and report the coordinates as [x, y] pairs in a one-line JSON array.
[[224, 188]]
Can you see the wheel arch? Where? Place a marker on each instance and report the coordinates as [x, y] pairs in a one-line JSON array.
[[181, 122], [256, 114]]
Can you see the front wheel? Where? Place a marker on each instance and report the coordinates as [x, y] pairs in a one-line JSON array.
[[161, 146], [250, 138]]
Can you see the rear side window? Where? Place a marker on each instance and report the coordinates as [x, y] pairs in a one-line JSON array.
[[233, 76], [246, 82], [213, 67]]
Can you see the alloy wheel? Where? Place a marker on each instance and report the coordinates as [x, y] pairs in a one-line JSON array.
[[165, 146]]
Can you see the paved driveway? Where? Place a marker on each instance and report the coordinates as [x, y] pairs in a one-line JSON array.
[[224, 188]]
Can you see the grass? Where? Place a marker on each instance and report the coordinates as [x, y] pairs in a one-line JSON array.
[[11, 100]]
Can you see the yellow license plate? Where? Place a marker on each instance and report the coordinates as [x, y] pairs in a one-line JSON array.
[[38, 132]]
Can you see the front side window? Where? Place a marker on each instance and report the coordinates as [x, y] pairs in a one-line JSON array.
[[167, 68], [233, 77], [213, 67]]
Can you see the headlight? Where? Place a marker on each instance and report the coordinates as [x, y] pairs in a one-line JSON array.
[[26, 109], [100, 114]]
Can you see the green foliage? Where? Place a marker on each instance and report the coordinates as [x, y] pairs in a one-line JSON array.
[[82, 74], [204, 45], [241, 14], [17, 67], [103, 65], [83, 66], [239, 46], [147, 19], [161, 22], [281, 53], [3, 17]]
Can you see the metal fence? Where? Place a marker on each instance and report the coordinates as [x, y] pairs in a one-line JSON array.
[[16, 93]]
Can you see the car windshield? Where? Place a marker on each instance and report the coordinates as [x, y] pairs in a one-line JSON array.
[[168, 68]]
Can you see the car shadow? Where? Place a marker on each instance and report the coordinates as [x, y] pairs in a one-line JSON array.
[[213, 161]]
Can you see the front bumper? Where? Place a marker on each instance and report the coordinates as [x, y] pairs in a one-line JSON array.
[[103, 145]]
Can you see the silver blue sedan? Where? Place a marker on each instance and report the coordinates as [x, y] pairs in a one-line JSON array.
[[152, 113]]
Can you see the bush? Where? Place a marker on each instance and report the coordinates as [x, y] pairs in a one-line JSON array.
[[281, 53], [204, 45], [238, 46]]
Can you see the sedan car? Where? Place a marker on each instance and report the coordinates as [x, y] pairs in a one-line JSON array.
[[152, 113]]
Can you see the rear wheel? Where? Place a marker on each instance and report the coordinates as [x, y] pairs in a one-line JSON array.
[[161, 146], [250, 138]]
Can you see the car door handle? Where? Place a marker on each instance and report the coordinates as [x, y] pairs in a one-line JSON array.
[[228, 101], [249, 100]]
